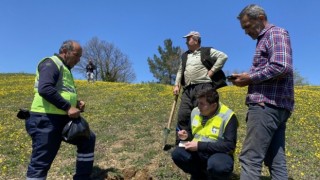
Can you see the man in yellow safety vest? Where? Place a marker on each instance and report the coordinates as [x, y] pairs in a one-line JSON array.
[[55, 103], [206, 152]]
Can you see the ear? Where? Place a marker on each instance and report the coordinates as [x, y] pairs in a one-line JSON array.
[[262, 17], [64, 50]]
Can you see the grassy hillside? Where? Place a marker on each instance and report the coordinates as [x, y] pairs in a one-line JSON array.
[[128, 120]]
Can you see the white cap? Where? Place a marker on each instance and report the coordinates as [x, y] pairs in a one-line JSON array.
[[192, 33]]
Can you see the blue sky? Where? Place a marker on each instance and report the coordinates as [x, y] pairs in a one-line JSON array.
[[31, 30]]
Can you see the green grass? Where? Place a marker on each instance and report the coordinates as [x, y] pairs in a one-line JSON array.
[[129, 119]]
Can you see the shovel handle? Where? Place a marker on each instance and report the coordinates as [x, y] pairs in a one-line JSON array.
[[172, 110]]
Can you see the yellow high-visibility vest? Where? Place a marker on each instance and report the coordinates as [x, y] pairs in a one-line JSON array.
[[214, 127], [65, 87]]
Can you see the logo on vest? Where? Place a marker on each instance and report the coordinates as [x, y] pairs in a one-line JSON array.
[[214, 130], [195, 123]]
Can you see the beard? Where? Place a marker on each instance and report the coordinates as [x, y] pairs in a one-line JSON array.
[[257, 30]]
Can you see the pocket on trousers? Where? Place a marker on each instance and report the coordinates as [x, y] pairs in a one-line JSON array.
[[31, 125]]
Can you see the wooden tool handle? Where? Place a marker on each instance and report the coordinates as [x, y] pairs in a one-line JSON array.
[[172, 110]]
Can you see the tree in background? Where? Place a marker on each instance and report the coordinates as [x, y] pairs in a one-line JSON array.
[[298, 80], [111, 64], [165, 67]]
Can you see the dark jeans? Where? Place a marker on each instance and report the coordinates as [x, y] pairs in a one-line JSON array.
[[265, 141], [45, 131], [202, 166], [188, 102]]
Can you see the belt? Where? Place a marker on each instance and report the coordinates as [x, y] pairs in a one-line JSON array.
[[194, 85]]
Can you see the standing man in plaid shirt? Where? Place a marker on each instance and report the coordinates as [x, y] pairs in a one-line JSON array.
[[270, 96]]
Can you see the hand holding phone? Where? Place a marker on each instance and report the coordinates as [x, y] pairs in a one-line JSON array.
[[182, 143]]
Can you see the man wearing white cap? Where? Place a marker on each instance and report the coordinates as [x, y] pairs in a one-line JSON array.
[[200, 68]]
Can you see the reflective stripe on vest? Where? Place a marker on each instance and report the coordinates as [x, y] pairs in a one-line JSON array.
[[214, 127], [65, 87]]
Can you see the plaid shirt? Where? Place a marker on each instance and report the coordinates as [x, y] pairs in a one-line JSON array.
[[271, 71]]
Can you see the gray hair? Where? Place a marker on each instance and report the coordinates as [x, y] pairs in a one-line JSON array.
[[252, 11], [68, 44]]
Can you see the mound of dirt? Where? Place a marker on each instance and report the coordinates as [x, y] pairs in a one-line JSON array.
[[130, 174]]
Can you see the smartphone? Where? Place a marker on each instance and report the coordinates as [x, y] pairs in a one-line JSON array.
[[231, 77], [182, 143]]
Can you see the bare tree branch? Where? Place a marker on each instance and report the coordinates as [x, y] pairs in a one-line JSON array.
[[112, 65]]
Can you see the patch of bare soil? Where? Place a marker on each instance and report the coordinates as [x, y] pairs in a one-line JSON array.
[[128, 174]]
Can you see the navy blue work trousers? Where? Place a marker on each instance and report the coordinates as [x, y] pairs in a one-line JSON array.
[[202, 166], [45, 131]]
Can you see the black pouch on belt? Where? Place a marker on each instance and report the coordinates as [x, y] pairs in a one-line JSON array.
[[23, 114]]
